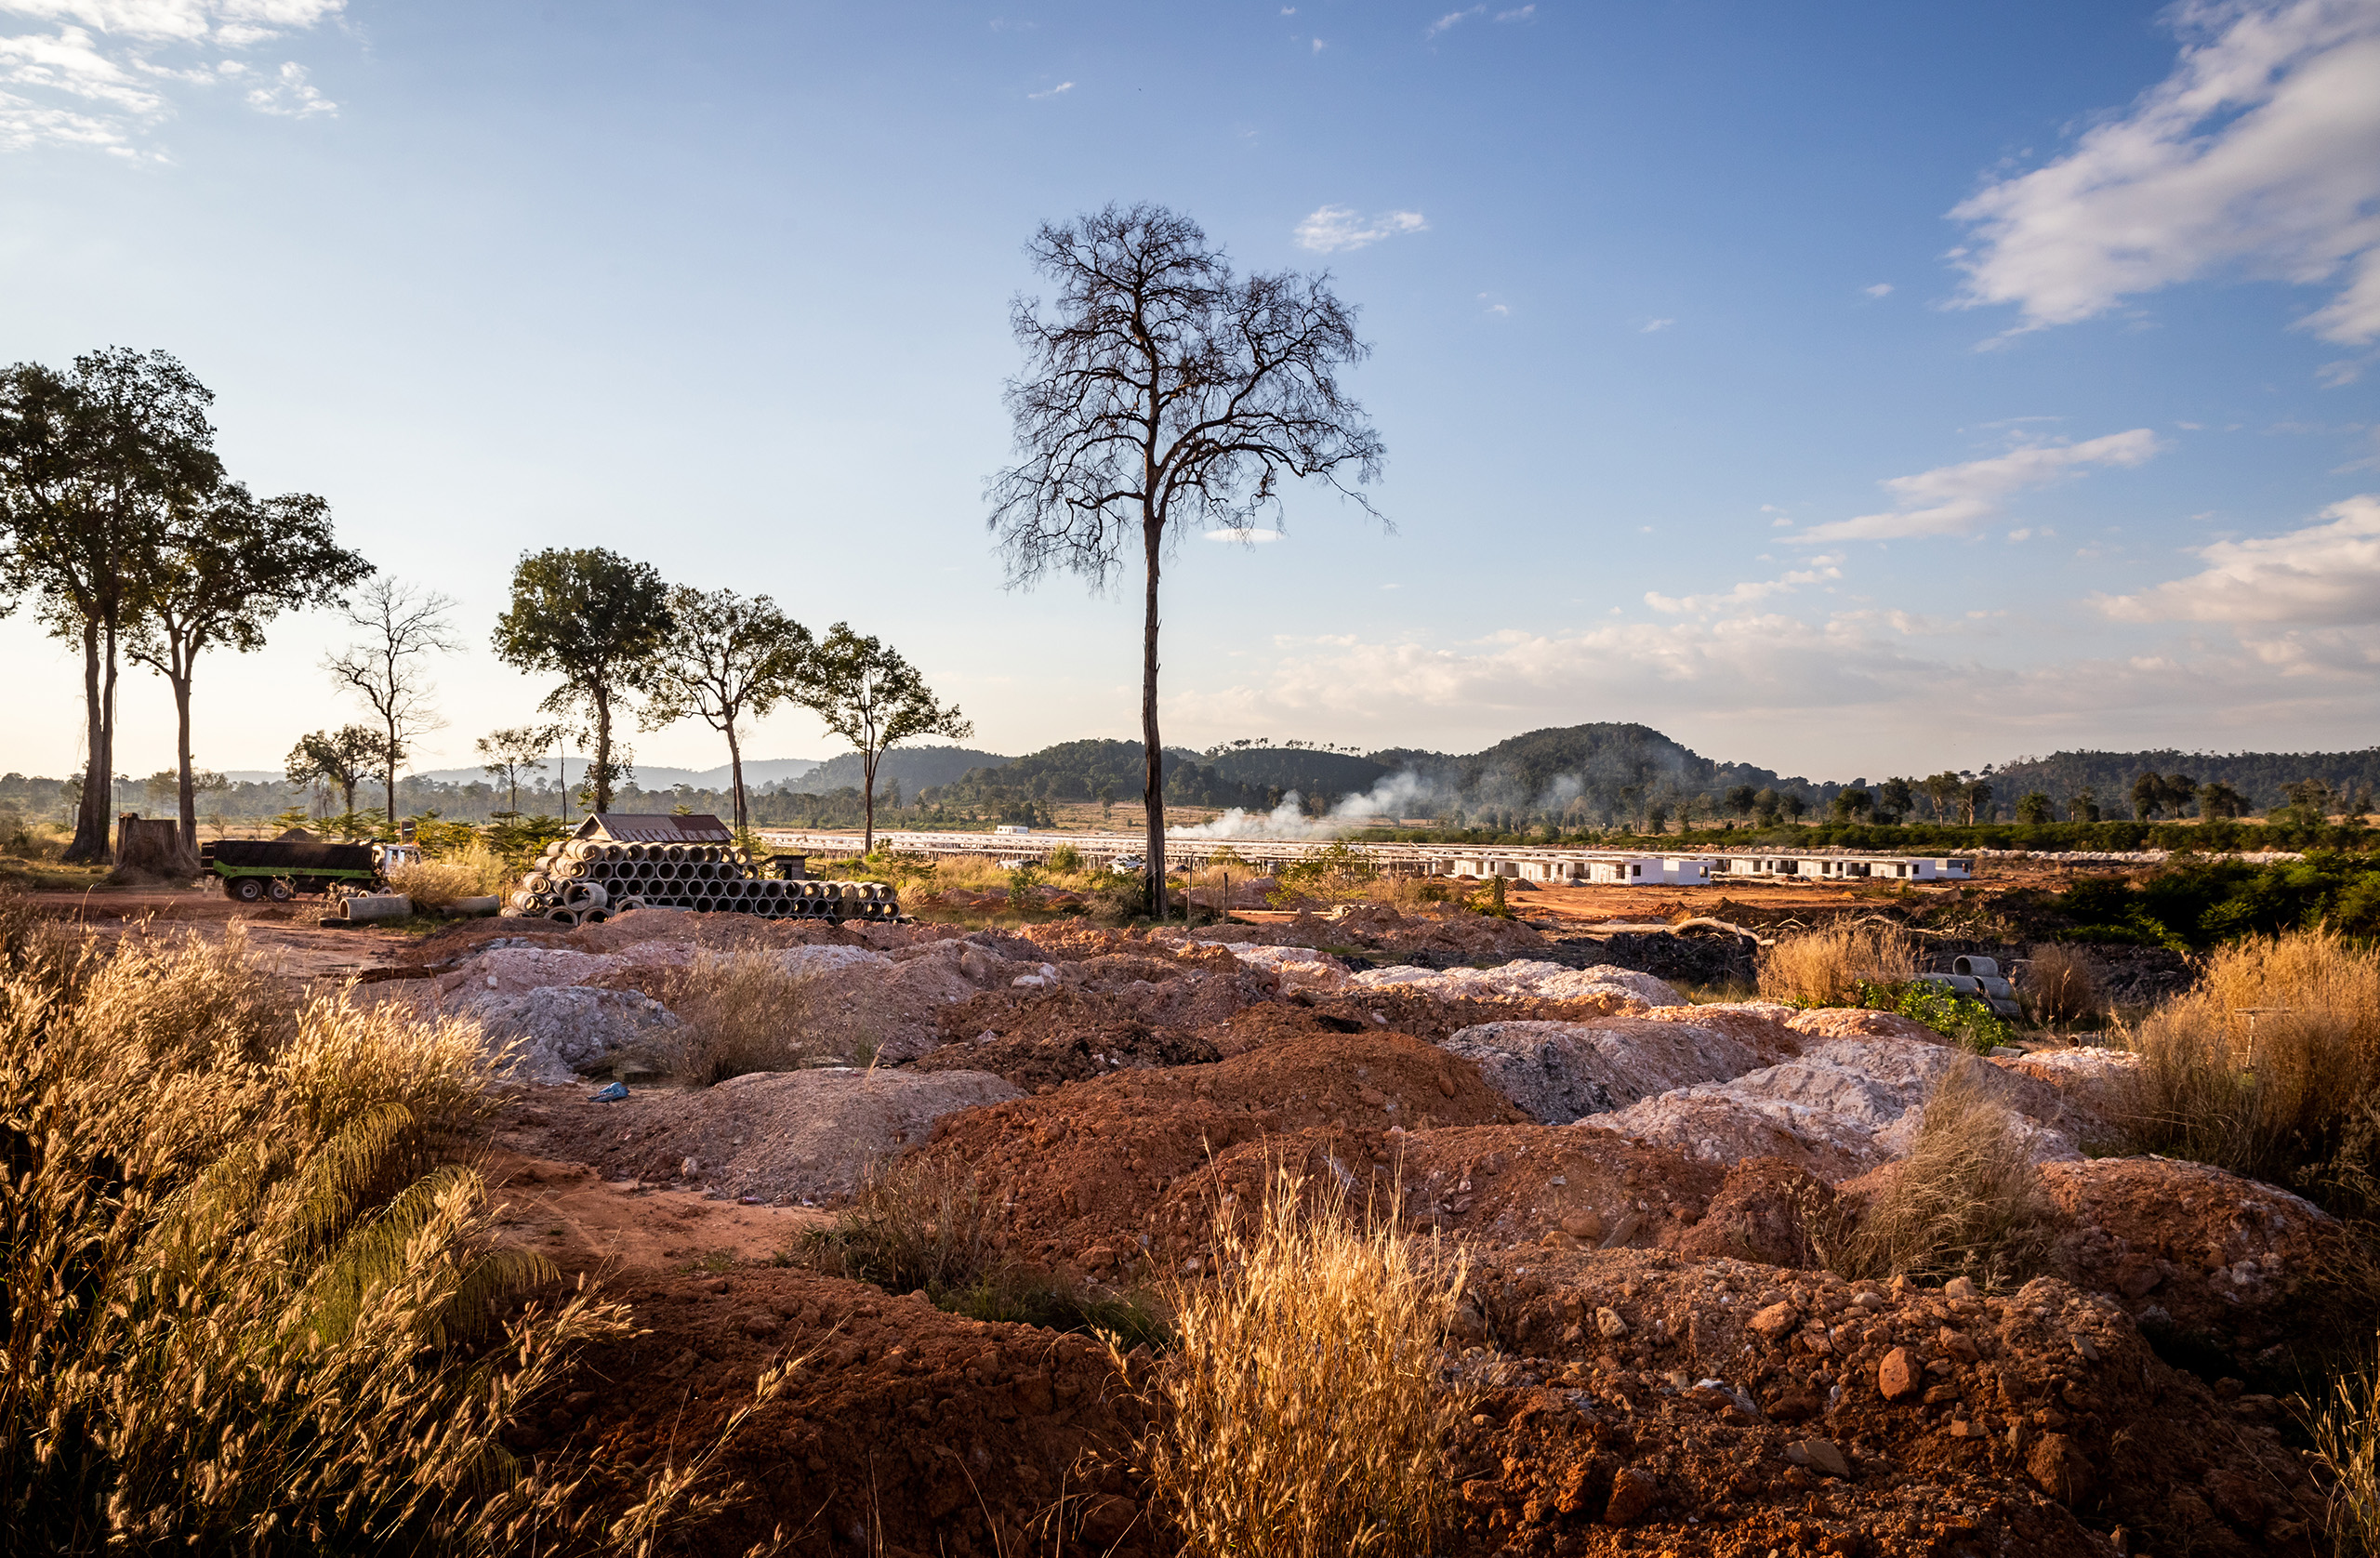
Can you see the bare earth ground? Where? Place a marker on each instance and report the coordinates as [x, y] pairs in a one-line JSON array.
[[1657, 1368]]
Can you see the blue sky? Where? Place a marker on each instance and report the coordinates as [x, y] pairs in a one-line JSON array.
[[1850, 390]]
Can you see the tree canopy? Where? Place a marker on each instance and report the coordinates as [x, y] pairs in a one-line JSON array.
[[865, 692], [597, 620]]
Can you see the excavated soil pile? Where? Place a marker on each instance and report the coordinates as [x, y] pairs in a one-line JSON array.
[[1048, 1037], [907, 1432], [780, 1136], [1735, 1409], [1085, 1167], [1378, 929]]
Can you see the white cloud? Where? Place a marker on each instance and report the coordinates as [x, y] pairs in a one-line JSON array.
[[1253, 535], [1958, 499], [2302, 601], [105, 56], [1522, 14], [290, 96], [1062, 86], [1452, 19], [1882, 289], [1333, 227], [1318, 45], [1654, 325], [2259, 155], [1822, 570]]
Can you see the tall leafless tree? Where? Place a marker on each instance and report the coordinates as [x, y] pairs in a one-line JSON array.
[[729, 659], [1161, 391], [399, 626]]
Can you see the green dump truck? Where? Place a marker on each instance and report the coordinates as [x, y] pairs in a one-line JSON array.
[[255, 869]]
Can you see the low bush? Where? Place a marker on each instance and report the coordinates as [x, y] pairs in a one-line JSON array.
[[473, 870], [1302, 1411], [2268, 1067], [1967, 1200], [2062, 984], [1334, 873], [1964, 1021], [739, 1013], [1826, 967]]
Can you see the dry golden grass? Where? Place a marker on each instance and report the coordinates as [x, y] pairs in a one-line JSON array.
[[476, 872], [2062, 984], [1824, 967], [2268, 1066], [251, 1304], [1967, 1200], [2346, 1430], [915, 1224], [740, 1013], [1301, 1413]]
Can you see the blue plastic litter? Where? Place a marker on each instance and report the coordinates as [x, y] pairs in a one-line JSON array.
[[613, 1094]]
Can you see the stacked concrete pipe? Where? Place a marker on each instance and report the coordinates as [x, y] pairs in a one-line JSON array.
[[583, 881]]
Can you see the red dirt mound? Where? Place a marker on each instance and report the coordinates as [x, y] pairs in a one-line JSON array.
[[908, 1432], [1733, 1408], [1060, 1036], [1087, 1167]]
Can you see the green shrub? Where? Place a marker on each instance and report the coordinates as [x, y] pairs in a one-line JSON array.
[[1964, 1021]]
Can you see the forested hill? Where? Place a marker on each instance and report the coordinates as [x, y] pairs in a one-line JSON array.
[[2258, 776], [912, 768], [1096, 769], [1605, 765]]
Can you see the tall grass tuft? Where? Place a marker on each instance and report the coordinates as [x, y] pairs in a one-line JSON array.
[[2346, 1430], [473, 871], [1302, 1411], [246, 1308], [740, 1013], [2063, 985], [1827, 966], [2268, 1067], [1967, 1200]]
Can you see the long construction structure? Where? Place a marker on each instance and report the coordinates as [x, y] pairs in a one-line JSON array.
[[1551, 866]]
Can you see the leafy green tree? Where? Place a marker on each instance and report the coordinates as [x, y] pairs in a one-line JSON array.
[[865, 693], [1943, 791], [2034, 807], [2218, 799], [93, 465], [1975, 802], [1162, 393], [598, 621], [1741, 800], [2085, 807], [2149, 796], [340, 760], [1792, 804], [1897, 795], [229, 564], [1851, 803], [728, 659]]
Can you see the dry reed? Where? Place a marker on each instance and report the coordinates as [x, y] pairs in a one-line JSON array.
[[2063, 984], [1967, 1200], [475, 872], [1301, 1409], [1825, 967], [740, 1013], [250, 1305], [2346, 1430], [2268, 1066]]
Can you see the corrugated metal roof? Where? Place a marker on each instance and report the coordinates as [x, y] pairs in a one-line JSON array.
[[621, 827]]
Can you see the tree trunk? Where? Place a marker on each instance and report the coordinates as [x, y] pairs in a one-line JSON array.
[[603, 797], [90, 845], [188, 796], [868, 800], [1153, 791], [347, 788], [736, 764], [393, 782]]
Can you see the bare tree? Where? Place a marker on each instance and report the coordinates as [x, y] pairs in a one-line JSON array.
[[729, 657], [400, 625], [1160, 392], [505, 754], [231, 564]]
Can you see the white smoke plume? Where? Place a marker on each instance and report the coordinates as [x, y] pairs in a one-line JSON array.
[[1399, 795]]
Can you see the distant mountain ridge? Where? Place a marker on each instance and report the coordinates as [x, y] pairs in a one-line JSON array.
[[2258, 776]]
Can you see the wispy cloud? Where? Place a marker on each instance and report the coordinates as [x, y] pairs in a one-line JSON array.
[[1959, 499], [1882, 289], [1822, 570], [1522, 13], [1252, 535], [1653, 326], [101, 80], [1453, 18], [1051, 92], [1333, 227], [2259, 155]]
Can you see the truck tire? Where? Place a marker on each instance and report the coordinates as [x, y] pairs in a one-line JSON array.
[[247, 889], [281, 889]]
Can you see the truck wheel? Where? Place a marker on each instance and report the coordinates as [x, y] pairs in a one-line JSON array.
[[281, 889], [247, 889]]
